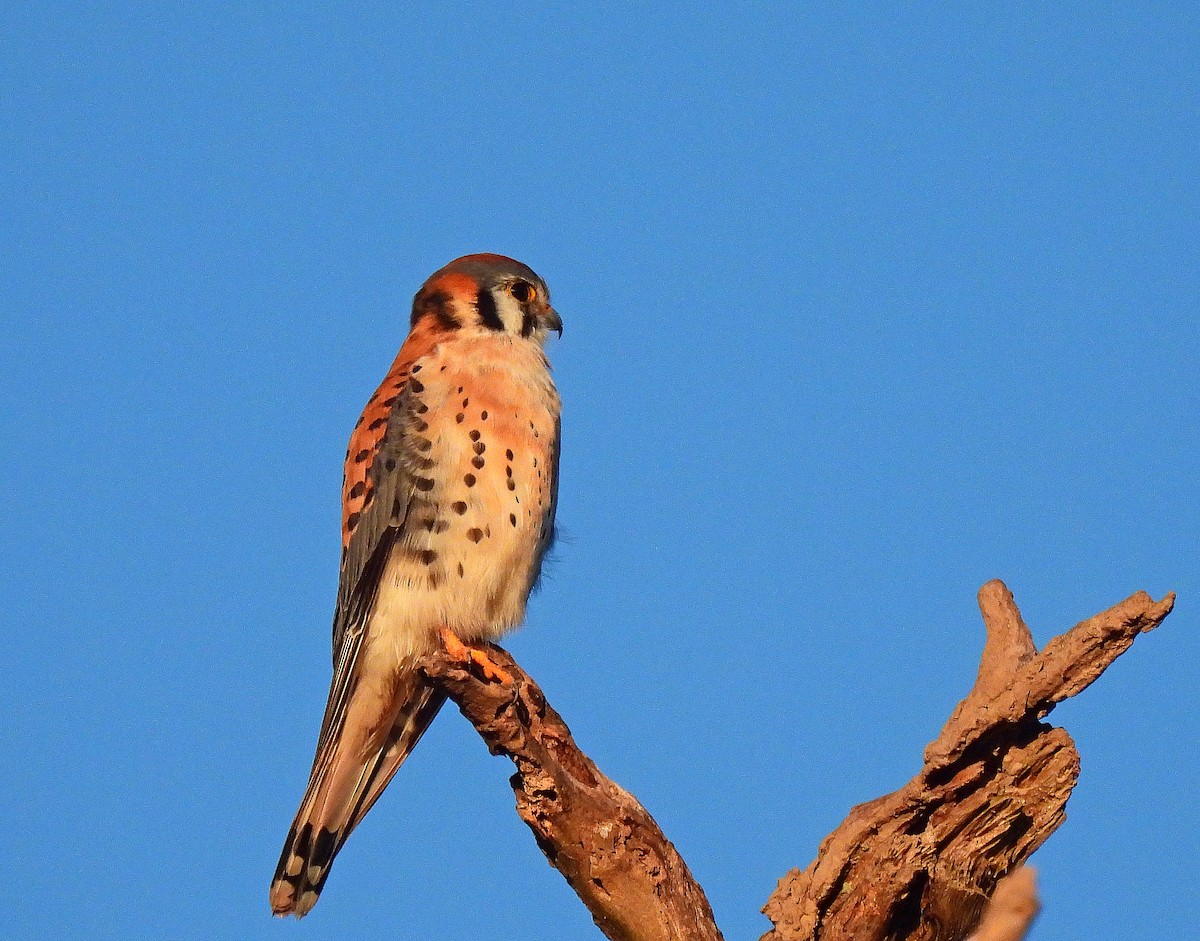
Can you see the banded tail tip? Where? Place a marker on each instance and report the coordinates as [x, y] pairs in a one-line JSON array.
[[285, 900], [303, 869]]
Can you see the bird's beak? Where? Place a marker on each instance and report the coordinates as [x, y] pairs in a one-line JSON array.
[[552, 320]]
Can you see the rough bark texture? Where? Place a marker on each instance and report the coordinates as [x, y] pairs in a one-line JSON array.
[[919, 864], [610, 850]]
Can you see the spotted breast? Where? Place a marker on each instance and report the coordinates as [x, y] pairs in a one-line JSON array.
[[484, 426]]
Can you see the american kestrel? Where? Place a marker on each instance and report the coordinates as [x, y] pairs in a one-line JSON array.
[[448, 503]]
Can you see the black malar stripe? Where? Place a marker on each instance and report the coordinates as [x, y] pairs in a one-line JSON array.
[[489, 316]]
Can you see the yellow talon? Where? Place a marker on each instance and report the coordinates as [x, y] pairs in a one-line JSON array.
[[459, 651]]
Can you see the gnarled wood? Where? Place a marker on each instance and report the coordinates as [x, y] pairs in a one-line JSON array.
[[610, 850], [919, 864]]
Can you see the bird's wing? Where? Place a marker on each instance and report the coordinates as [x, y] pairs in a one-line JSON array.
[[356, 756], [380, 486]]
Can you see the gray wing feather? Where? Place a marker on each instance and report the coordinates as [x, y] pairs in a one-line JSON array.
[[394, 477]]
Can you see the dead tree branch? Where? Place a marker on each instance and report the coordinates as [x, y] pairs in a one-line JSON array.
[[610, 850], [921, 862], [918, 864]]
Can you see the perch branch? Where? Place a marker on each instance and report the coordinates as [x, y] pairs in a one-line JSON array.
[[921, 862], [608, 848]]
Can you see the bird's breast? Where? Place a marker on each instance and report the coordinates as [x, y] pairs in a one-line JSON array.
[[483, 454]]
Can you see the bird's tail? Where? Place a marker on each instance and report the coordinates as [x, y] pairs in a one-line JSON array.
[[349, 773]]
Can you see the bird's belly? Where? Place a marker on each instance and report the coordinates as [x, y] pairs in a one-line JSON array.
[[471, 546]]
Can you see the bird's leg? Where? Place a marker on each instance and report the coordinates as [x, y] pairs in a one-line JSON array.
[[457, 650]]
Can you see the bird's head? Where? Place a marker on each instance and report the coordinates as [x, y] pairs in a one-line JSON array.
[[488, 292]]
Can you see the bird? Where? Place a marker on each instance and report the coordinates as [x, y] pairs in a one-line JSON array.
[[448, 502]]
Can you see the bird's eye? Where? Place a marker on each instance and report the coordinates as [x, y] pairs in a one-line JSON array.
[[523, 291]]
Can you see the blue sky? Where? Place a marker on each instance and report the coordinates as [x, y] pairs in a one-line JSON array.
[[862, 310]]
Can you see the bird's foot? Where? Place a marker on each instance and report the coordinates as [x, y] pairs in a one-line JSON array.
[[457, 650]]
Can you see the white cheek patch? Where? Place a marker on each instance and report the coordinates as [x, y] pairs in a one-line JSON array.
[[510, 312]]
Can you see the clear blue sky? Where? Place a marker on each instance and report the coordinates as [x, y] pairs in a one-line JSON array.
[[862, 309]]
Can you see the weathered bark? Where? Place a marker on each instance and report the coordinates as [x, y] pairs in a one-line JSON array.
[[918, 864], [610, 850], [921, 862]]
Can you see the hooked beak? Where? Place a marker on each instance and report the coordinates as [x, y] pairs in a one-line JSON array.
[[551, 319]]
